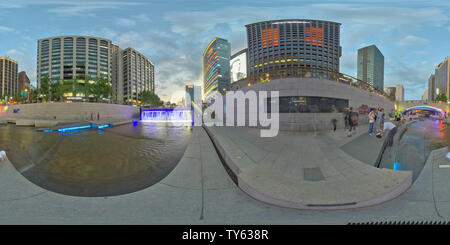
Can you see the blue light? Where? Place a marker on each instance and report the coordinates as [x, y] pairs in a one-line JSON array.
[[448, 155], [73, 128], [397, 166], [47, 131], [135, 123], [103, 126]]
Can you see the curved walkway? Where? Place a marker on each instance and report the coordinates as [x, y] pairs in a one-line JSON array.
[[305, 170]]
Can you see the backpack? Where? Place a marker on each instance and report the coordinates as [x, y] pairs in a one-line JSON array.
[[354, 118]]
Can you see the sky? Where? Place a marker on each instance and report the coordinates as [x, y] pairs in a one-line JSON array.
[[414, 36]]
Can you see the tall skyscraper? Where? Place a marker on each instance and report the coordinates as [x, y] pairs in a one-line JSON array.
[[399, 92], [132, 73], [442, 78], [431, 88], [216, 68], [73, 57], [284, 48], [425, 95], [8, 77], [193, 94], [371, 66]]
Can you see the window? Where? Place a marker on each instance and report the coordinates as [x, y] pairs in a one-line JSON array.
[[308, 104]]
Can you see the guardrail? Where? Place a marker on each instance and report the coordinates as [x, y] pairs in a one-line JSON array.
[[310, 73]]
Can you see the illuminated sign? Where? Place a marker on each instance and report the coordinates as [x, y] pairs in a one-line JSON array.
[[314, 36], [238, 67], [291, 22], [269, 37]]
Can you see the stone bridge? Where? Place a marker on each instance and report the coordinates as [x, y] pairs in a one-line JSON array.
[[403, 105]]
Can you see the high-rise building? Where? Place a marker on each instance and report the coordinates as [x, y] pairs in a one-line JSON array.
[[132, 73], [24, 82], [238, 66], [390, 92], [73, 57], [431, 88], [283, 48], [193, 94], [399, 92], [216, 68], [8, 77], [425, 95], [371, 66], [442, 78]]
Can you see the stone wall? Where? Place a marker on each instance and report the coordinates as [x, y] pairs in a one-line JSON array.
[[321, 88], [70, 111]]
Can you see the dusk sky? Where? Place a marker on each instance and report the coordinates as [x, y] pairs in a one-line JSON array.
[[413, 36]]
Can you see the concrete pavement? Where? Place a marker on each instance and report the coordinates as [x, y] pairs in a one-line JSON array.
[[199, 191]]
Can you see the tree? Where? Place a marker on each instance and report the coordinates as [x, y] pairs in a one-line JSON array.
[[149, 98], [87, 88], [442, 97], [101, 89], [56, 90], [44, 90], [33, 95]]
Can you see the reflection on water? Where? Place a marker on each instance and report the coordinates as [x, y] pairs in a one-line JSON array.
[[412, 151], [105, 162]]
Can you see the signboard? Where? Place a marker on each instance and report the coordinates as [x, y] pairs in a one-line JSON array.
[[238, 67]]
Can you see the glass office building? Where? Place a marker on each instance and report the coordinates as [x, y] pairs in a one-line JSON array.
[[73, 57], [216, 68], [282, 48], [371, 66]]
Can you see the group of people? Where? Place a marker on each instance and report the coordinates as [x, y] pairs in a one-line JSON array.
[[377, 124], [376, 118]]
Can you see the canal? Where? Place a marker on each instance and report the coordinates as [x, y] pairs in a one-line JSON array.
[[93, 162]]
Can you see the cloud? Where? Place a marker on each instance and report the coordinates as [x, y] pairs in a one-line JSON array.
[[412, 40], [125, 22], [5, 29], [14, 52]]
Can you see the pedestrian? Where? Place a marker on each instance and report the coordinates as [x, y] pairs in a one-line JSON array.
[[352, 121], [378, 118], [334, 122], [3, 156], [371, 121], [98, 116], [389, 126], [346, 119]]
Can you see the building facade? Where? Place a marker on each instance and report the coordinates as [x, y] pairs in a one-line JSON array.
[[193, 94], [399, 92], [390, 92], [8, 77], [132, 73], [442, 78], [216, 68], [24, 82], [238, 66], [73, 57], [280, 48], [431, 88], [371, 66], [425, 95]]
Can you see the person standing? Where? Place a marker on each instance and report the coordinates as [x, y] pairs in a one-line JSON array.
[[3, 156], [389, 126], [371, 121], [378, 118]]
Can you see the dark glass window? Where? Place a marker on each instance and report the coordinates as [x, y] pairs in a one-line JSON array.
[[308, 104]]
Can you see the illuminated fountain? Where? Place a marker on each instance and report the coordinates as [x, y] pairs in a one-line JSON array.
[[166, 115]]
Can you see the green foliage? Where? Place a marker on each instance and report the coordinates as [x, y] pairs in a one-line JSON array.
[[442, 97], [147, 97], [44, 90]]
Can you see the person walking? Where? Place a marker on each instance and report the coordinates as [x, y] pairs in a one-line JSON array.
[[389, 126], [352, 122], [371, 121]]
